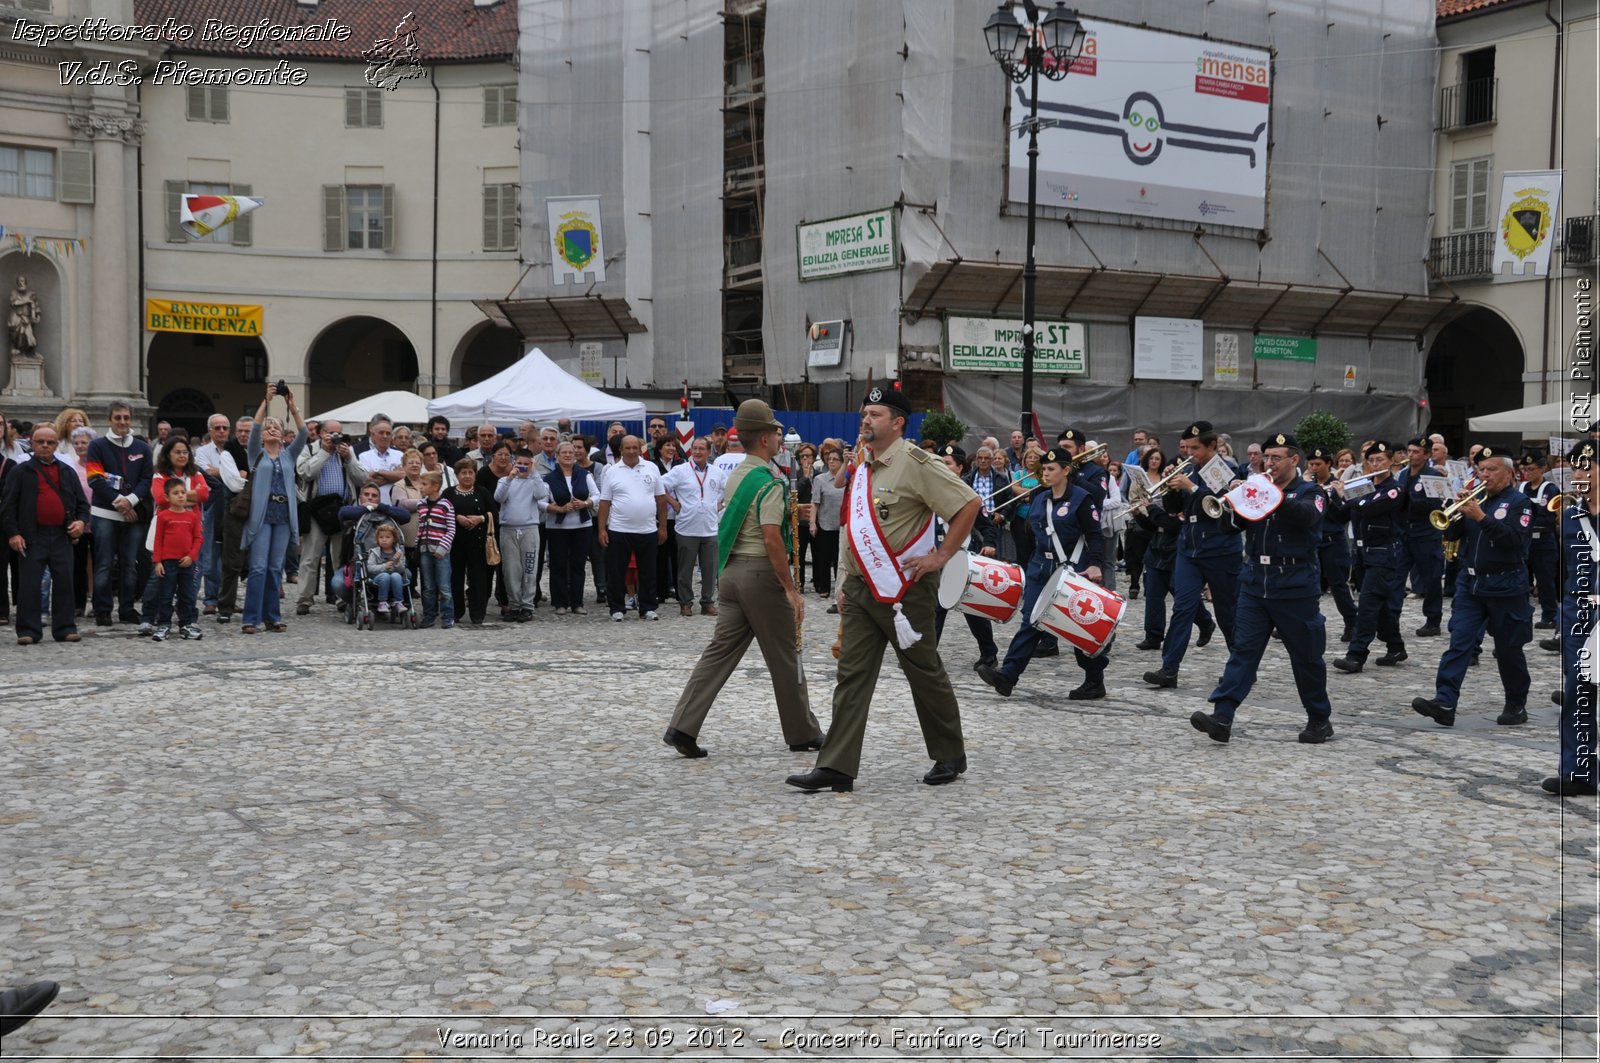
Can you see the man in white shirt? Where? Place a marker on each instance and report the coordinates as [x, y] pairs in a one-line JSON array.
[[696, 496], [208, 459], [633, 524], [382, 461]]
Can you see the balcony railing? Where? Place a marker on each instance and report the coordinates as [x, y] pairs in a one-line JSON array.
[[1578, 240], [1469, 103], [1462, 255]]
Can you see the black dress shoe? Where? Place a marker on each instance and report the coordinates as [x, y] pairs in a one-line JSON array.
[[1563, 787], [17, 1006], [823, 779], [1553, 645], [1207, 629], [1439, 714], [1557, 696], [944, 771], [1211, 727], [990, 660], [1133, 594], [1350, 664], [1545, 625], [1089, 691], [1392, 658], [1161, 678], [1473, 663], [1047, 649], [995, 678], [812, 746], [1344, 636], [102, 620], [1511, 715], [1428, 630], [1316, 732], [1151, 642], [684, 744]]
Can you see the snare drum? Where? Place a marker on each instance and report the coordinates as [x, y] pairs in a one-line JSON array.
[[981, 586], [1080, 611]]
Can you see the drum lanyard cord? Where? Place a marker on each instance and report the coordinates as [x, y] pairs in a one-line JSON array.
[[1055, 540]]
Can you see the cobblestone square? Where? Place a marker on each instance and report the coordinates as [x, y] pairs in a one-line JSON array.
[[461, 843]]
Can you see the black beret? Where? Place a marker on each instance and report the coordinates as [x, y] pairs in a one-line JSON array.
[[950, 450], [1056, 455], [1319, 452], [1376, 447], [892, 397], [1198, 429], [1531, 457], [1419, 441], [1279, 439], [1583, 452], [1072, 435], [1488, 452]]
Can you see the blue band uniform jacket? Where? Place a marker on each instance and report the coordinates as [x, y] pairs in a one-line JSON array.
[[1201, 536], [1494, 551], [1076, 516], [1380, 521], [1281, 549], [1419, 504], [1544, 529], [1336, 516]]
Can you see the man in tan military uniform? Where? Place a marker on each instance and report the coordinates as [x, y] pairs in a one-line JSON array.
[[890, 513], [756, 594]]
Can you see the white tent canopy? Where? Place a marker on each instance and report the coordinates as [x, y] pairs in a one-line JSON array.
[[534, 389], [401, 407], [1548, 419]]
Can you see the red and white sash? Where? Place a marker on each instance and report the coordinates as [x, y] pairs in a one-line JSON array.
[[877, 563]]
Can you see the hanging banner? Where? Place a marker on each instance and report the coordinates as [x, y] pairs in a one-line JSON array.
[[212, 319], [202, 215], [577, 249], [1529, 203], [1168, 348], [1284, 348], [860, 243], [994, 345]]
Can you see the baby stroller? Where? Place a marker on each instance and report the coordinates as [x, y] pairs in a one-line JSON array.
[[363, 591]]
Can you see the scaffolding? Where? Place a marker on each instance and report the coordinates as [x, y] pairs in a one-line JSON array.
[[743, 192]]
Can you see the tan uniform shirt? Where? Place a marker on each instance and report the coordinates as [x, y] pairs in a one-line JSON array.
[[908, 483], [771, 508]]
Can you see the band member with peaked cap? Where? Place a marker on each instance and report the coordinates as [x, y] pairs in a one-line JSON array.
[[1208, 556], [1066, 531], [1280, 589], [985, 542], [1491, 593], [756, 593], [889, 513], [1544, 550], [1379, 519], [1333, 553], [1580, 601], [1424, 549]]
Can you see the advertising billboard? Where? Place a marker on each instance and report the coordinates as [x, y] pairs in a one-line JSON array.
[[1152, 124]]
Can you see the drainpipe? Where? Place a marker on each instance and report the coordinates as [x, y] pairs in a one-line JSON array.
[[1555, 130], [433, 291]]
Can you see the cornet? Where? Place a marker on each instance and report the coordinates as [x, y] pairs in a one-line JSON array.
[[1215, 506], [1443, 518]]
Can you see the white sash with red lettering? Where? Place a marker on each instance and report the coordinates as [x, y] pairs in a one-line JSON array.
[[879, 565]]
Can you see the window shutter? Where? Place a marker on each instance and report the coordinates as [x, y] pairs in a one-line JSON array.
[[388, 217], [175, 233], [491, 111], [1480, 192], [197, 103], [374, 108], [243, 226], [219, 103], [333, 217], [1458, 198], [491, 217], [77, 175], [352, 108], [508, 217], [508, 105]]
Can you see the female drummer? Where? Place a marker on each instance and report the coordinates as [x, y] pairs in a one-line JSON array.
[[955, 459], [1066, 531]]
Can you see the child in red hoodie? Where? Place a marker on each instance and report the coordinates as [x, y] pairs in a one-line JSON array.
[[179, 534]]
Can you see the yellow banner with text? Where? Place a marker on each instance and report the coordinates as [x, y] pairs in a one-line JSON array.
[[212, 319]]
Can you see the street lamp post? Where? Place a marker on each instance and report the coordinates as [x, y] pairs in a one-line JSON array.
[[1021, 53]]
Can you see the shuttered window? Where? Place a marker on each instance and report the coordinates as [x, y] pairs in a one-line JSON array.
[[358, 217], [77, 175], [363, 108], [243, 227], [29, 173], [1469, 195], [208, 103], [500, 217], [499, 105]]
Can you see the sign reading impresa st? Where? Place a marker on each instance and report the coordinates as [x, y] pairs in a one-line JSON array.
[[1154, 124], [994, 345], [859, 243]]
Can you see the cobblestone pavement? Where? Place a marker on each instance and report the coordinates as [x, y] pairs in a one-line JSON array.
[[438, 844]]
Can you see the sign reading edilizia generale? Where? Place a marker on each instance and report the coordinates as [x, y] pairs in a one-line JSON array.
[[858, 243], [214, 319], [994, 345]]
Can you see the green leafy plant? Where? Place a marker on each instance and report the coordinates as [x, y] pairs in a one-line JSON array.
[[1322, 429], [943, 428]]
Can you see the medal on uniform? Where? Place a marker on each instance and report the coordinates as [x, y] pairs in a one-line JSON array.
[[883, 508]]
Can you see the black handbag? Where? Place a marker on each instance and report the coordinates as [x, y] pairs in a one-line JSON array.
[[324, 509]]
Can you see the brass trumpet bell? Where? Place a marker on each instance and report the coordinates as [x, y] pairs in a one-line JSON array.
[[1215, 506], [1556, 504], [1443, 518]]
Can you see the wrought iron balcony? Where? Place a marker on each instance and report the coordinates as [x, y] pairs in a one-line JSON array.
[[1469, 103], [1462, 255]]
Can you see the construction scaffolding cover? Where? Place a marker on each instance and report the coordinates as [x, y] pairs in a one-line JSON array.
[[533, 389]]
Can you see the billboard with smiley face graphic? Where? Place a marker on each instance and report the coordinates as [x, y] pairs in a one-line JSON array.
[[1152, 124]]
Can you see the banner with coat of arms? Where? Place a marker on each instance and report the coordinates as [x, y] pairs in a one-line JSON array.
[[1529, 203], [577, 248]]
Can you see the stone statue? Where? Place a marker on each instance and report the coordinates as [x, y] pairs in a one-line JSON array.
[[25, 313]]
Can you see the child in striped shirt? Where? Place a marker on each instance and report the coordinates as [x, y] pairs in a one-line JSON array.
[[436, 530]]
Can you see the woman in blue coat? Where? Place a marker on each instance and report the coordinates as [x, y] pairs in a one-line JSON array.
[[274, 521]]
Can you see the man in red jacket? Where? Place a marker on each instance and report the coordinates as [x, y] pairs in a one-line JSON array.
[[43, 512]]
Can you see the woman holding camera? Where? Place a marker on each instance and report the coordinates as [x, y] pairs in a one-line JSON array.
[[274, 519]]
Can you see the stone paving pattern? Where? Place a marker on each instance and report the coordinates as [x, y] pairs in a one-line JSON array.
[[209, 844]]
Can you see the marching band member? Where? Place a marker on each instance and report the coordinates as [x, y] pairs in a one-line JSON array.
[[1379, 520], [986, 543], [1066, 531], [1544, 550], [1092, 477], [1163, 518], [1208, 555], [1333, 553], [1424, 549], [893, 498], [1580, 600], [1280, 589], [1491, 592]]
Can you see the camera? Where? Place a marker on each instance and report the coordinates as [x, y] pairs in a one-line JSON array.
[[283, 390], [336, 440]]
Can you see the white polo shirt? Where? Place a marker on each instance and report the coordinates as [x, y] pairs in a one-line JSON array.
[[700, 494], [372, 461], [632, 493]]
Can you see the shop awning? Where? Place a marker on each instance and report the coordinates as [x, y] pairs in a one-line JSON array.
[[996, 289], [574, 317]]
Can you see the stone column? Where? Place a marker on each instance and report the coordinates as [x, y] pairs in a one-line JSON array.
[[114, 356]]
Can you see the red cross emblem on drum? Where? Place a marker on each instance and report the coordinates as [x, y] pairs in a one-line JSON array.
[[996, 580], [1086, 608], [1080, 611], [981, 586]]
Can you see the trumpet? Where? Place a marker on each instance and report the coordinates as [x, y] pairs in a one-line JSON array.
[[1094, 453], [1556, 504], [1216, 505], [1443, 518]]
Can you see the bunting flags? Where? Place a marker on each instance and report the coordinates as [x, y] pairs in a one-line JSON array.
[[40, 245], [202, 215]]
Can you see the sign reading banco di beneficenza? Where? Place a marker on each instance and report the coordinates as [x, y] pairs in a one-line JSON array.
[[859, 243], [994, 345], [226, 319]]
